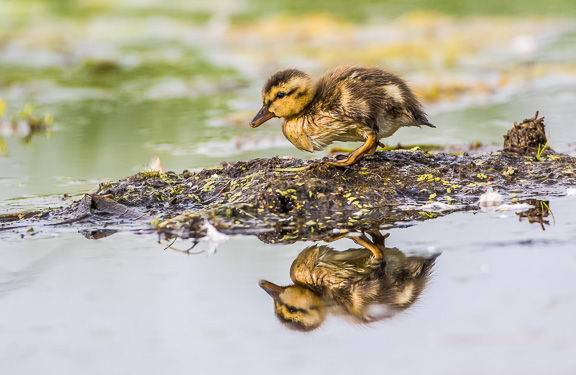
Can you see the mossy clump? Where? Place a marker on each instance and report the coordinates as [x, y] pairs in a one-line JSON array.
[[527, 138]]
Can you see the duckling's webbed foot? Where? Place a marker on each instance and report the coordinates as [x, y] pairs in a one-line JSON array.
[[368, 148]]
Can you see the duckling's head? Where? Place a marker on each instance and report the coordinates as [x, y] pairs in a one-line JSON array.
[[297, 307], [286, 94]]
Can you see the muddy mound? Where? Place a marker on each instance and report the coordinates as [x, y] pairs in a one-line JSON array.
[[281, 199]]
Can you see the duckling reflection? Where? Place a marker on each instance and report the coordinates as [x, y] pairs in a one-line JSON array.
[[367, 284]]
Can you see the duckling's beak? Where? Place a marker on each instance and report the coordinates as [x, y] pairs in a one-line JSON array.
[[261, 117], [272, 289]]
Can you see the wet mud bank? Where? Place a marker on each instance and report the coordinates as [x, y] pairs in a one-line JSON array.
[[285, 199]]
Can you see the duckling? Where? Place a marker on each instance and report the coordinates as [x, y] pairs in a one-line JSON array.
[[367, 284], [349, 103]]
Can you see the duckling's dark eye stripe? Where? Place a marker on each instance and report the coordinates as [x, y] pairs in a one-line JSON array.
[[276, 97], [293, 309], [301, 93]]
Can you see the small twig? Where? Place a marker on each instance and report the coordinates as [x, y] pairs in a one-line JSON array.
[[186, 251], [549, 210], [169, 245]]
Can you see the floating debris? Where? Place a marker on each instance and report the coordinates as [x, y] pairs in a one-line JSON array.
[[490, 199], [155, 165], [214, 237]]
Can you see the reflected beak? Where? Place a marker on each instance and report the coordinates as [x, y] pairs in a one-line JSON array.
[[261, 117], [272, 289]]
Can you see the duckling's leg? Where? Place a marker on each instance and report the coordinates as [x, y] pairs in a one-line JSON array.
[[365, 242], [368, 146], [374, 148]]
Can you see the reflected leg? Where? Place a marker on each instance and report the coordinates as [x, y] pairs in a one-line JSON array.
[[378, 238], [365, 242]]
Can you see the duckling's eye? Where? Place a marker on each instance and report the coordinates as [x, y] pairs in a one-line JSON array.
[[280, 95], [292, 309]]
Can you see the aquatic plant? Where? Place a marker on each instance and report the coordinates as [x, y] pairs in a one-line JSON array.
[[541, 148], [23, 124]]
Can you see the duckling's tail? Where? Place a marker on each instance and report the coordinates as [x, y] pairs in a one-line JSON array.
[[427, 124]]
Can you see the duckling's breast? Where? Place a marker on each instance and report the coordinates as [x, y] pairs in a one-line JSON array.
[[303, 269], [320, 267], [295, 130], [314, 133]]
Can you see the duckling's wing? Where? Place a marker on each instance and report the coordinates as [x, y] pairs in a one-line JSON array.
[[348, 263], [345, 94], [363, 95]]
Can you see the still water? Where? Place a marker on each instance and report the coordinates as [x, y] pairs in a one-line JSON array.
[[499, 300], [129, 82]]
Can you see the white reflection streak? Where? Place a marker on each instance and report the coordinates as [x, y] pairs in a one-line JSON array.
[[214, 237]]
